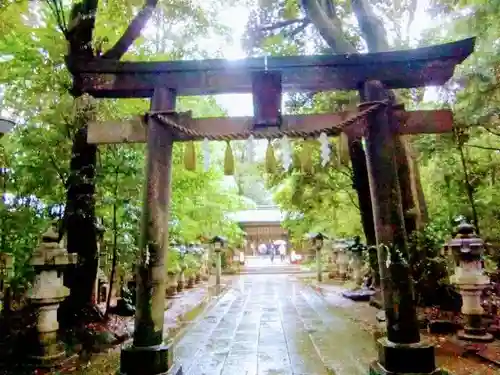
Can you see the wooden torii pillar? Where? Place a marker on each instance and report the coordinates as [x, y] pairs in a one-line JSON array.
[[401, 352]]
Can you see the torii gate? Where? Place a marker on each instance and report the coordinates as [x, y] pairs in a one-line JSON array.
[[379, 120]]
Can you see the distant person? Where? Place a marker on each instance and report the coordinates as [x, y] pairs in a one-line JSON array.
[[262, 249], [272, 251], [282, 250]]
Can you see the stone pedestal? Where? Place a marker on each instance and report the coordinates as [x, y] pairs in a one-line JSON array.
[[397, 359], [473, 312], [46, 294], [146, 360]]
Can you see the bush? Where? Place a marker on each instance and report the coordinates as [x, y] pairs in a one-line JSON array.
[[173, 261], [430, 272]]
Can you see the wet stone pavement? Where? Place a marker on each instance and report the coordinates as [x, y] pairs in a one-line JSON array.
[[272, 324]]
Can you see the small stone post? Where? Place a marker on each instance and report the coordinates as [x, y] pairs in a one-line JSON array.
[[47, 293], [467, 249]]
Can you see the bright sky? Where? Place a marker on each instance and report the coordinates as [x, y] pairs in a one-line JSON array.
[[235, 104]]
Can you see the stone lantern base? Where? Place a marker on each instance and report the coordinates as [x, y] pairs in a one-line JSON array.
[[400, 359], [48, 351], [474, 331], [475, 335]]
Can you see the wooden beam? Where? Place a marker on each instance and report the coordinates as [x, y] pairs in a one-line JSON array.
[[134, 130], [397, 69]]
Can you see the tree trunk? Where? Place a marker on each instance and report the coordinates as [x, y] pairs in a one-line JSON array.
[[115, 250], [79, 222], [79, 215], [81, 229]]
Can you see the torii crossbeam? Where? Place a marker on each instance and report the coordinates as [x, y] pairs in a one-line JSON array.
[[371, 74]]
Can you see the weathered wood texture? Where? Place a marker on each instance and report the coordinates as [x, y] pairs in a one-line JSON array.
[[397, 288], [398, 69], [134, 130], [150, 304]]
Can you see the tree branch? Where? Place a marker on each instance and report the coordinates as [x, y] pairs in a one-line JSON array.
[[371, 26], [284, 23], [58, 171], [353, 201], [297, 30], [328, 27], [483, 147], [491, 131], [133, 31]]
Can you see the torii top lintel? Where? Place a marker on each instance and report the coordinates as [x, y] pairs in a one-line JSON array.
[[398, 69]]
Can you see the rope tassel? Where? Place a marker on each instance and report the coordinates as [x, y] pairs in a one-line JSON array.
[[228, 160], [306, 157], [270, 158], [190, 156]]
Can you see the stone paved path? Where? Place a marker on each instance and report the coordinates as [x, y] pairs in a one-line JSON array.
[[272, 324]]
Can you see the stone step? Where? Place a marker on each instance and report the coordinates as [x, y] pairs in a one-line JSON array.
[[272, 270]]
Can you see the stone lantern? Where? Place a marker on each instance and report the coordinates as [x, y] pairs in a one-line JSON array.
[[48, 291], [218, 245], [467, 249]]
